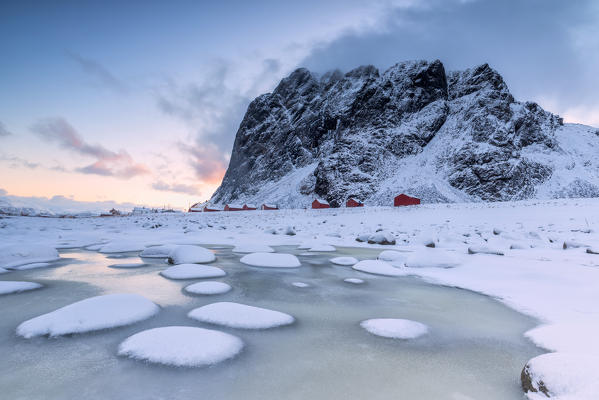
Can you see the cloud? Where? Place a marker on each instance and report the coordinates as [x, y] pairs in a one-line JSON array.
[[109, 163], [3, 130], [212, 110], [18, 162], [3, 192], [176, 187], [99, 73], [539, 57]]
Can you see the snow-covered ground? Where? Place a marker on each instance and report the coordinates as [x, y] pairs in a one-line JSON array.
[[544, 271]]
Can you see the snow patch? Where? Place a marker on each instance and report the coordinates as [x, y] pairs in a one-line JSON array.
[[394, 328], [94, 313], [192, 271], [236, 315], [271, 260], [208, 288], [181, 346]]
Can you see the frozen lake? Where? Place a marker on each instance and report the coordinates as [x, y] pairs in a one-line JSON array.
[[475, 347]]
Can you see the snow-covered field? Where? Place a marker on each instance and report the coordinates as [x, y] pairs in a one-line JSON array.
[[537, 257]]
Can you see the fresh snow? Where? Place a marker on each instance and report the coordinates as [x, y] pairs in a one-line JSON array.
[[13, 255], [192, 271], [536, 276], [128, 265], [208, 288], [235, 315], [122, 246], [344, 260], [94, 313], [378, 267], [31, 266], [253, 248], [181, 346], [7, 287], [431, 258], [188, 254], [394, 328], [161, 251], [355, 281], [300, 284], [271, 260]]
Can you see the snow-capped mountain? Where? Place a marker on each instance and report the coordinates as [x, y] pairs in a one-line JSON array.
[[457, 136]]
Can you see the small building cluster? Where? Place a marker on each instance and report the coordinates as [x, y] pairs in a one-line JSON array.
[[398, 201]]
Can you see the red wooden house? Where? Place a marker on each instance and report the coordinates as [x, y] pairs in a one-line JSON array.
[[197, 207], [269, 207], [208, 208], [249, 207], [405, 200], [233, 207], [351, 202], [317, 203]]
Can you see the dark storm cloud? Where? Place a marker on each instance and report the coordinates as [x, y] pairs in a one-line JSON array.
[[214, 110], [99, 73], [108, 163], [543, 48]]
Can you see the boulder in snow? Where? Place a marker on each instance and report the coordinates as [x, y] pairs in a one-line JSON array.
[[344, 260], [94, 313], [181, 346], [19, 254], [208, 288], [235, 315], [271, 260], [394, 328], [192, 271], [189, 254]]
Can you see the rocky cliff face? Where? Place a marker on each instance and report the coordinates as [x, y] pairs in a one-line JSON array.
[[458, 136]]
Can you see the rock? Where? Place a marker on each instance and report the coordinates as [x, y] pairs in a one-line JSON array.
[[340, 135], [528, 385], [382, 237]]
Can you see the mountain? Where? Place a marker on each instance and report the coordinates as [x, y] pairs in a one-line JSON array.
[[416, 129]]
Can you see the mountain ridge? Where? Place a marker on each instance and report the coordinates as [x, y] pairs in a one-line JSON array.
[[444, 137]]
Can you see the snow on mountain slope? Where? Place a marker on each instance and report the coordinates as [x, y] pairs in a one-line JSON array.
[[458, 136]]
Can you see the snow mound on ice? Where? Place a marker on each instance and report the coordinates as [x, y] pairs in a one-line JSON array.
[[161, 251], [208, 288], [7, 287], [235, 315], [94, 313], [378, 267], [188, 254], [271, 260], [3, 271], [122, 246], [391, 255], [355, 281], [192, 271], [181, 346], [431, 258], [394, 328], [322, 248], [482, 249], [300, 284], [344, 260], [31, 266], [253, 248], [128, 265], [561, 376], [18, 254]]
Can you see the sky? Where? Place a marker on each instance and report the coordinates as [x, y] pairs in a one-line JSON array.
[[139, 102]]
